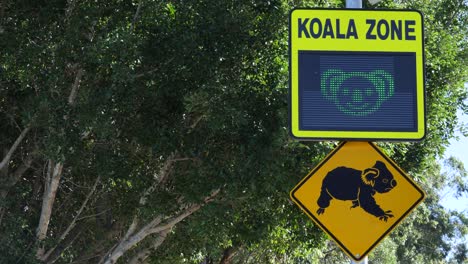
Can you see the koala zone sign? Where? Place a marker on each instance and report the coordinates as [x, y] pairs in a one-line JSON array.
[[357, 195], [356, 74]]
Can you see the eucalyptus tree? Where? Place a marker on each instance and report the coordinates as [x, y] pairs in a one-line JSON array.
[[121, 119]]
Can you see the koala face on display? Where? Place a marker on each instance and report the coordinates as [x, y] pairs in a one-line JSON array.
[[357, 93], [384, 182]]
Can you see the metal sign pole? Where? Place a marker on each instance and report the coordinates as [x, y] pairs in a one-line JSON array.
[[356, 4], [353, 3], [364, 261]]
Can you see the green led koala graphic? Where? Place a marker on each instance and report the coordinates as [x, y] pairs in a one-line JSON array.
[[357, 93]]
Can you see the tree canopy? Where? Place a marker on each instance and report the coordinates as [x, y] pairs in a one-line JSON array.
[[157, 132]]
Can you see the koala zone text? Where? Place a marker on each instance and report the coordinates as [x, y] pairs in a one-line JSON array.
[[345, 29]]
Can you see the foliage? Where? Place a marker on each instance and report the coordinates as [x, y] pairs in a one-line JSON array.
[[157, 107]]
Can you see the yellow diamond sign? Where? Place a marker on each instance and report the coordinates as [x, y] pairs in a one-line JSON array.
[[357, 195]]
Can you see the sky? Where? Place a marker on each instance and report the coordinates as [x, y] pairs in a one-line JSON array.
[[458, 148]]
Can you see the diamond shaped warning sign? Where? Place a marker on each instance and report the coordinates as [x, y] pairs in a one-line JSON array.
[[357, 195]]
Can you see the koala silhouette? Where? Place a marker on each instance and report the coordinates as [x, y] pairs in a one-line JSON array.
[[346, 184], [357, 93]]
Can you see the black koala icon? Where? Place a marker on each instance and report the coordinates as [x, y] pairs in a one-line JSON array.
[[345, 184]]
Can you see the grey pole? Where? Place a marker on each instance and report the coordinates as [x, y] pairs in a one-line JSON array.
[[356, 4], [353, 3], [364, 261]]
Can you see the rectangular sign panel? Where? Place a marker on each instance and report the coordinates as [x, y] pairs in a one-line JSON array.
[[357, 74]]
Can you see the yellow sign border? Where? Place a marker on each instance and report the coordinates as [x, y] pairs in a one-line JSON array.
[[341, 45], [316, 221]]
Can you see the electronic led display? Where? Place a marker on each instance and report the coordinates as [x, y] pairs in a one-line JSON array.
[[366, 91]]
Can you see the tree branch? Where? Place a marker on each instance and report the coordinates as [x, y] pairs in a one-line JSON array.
[[135, 17], [93, 215], [54, 174], [75, 86], [73, 222], [228, 254], [52, 258], [13, 148], [187, 212], [132, 228], [143, 254], [153, 227], [175, 220], [195, 123], [16, 175], [160, 177], [12, 180]]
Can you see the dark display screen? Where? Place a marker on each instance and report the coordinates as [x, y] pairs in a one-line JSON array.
[[363, 91]]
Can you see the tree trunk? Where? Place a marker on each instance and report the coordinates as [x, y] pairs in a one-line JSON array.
[[228, 255], [57, 250], [54, 173], [143, 254], [75, 86], [13, 148], [156, 226]]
